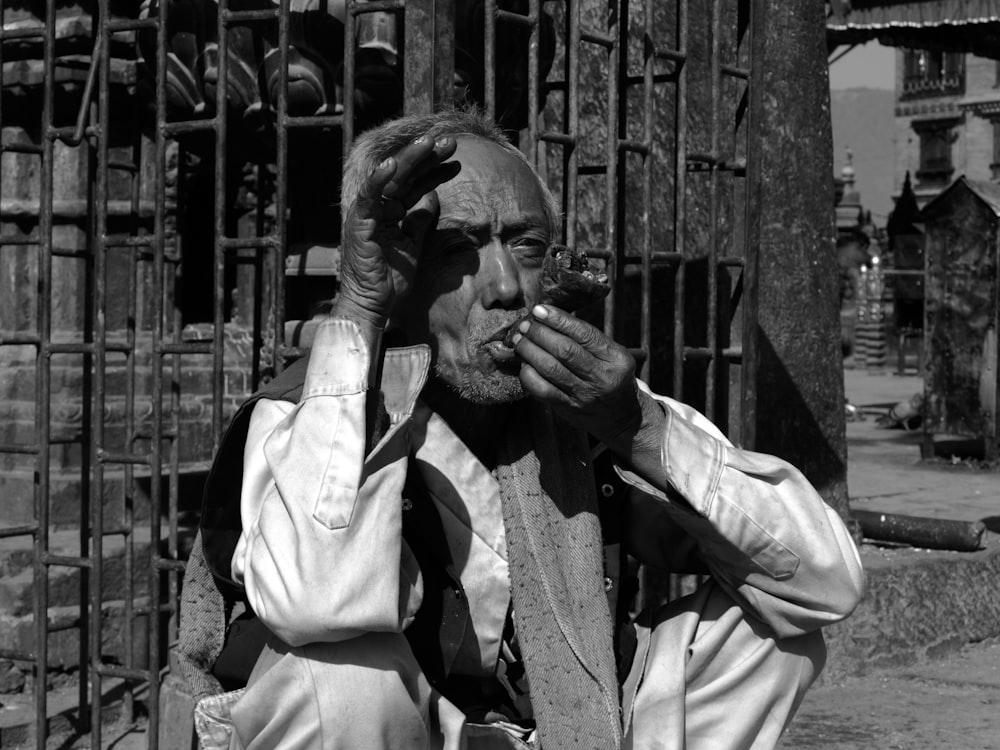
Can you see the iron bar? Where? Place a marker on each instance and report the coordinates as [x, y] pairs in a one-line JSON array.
[[711, 328], [645, 150], [656, 257], [89, 347], [185, 127], [375, 6], [141, 242], [638, 354], [159, 261], [531, 150], [18, 655], [250, 243], [186, 348], [18, 239], [172, 309], [636, 147], [347, 122], [175, 566], [563, 139], [24, 529], [229, 17], [314, 121], [75, 137], [67, 561], [116, 25], [20, 339], [681, 157], [702, 353], [675, 55], [43, 387], [277, 278], [124, 673], [443, 52], [490, 12], [100, 337], [22, 449], [25, 32], [617, 33], [670, 77], [734, 72], [419, 59], [600, 38], [22, 148], [110, 457], [519, 18], [571, 121]]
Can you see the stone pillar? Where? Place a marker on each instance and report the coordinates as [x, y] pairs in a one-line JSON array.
[[794, 378]]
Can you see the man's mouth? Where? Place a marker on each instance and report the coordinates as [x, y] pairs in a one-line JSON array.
[[499, 346], [500, 353]]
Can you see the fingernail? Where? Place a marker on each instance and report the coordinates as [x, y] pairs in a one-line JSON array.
[[420, 139], [523, 326], [384, 164], [540, 311], [441, 142], [517, 337]]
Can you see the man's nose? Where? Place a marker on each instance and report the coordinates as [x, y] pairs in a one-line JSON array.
[[501, 278]]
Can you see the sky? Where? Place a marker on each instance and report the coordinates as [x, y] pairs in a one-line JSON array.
[[870, 65], [869, 132]]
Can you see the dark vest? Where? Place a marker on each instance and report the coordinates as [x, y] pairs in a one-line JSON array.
[[444, 612]]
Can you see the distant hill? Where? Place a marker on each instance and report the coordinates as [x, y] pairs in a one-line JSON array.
[[863, 120]]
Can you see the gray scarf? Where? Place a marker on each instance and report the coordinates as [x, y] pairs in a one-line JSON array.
[[555, 555]]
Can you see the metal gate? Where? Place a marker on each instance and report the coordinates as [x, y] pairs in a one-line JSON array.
[[169, 228]]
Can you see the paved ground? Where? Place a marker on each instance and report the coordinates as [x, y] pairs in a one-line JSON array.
[[952, 702], [884, 468]]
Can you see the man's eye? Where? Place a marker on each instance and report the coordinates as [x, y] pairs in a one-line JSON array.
[[529, 247]]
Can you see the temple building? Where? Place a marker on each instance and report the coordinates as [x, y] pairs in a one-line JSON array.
[[947, 102]]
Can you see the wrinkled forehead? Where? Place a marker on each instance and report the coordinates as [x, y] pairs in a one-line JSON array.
[[493, 186]]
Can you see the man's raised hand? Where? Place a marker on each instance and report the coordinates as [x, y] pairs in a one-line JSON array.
[[384, 229]]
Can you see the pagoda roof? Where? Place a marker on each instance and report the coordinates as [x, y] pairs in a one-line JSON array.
[[947, 25]]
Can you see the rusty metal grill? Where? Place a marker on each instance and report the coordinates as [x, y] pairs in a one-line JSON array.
[[154, 257]]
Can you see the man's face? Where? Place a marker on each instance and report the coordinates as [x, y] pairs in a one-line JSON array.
[[480, 272]]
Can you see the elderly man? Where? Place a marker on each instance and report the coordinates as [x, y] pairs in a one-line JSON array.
[[421, 535]]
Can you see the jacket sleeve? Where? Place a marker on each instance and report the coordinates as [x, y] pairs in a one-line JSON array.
[[321, 555], [756, 522]]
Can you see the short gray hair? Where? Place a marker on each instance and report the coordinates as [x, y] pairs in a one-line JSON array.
[[375, 145]]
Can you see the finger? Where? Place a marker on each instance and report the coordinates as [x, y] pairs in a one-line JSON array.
[[588, 337], [370, 196], [415, 161], [547, 366], [539, 388], [557, 346], [420, 219]]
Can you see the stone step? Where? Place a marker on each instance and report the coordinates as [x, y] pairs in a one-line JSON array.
[[918, 605]]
